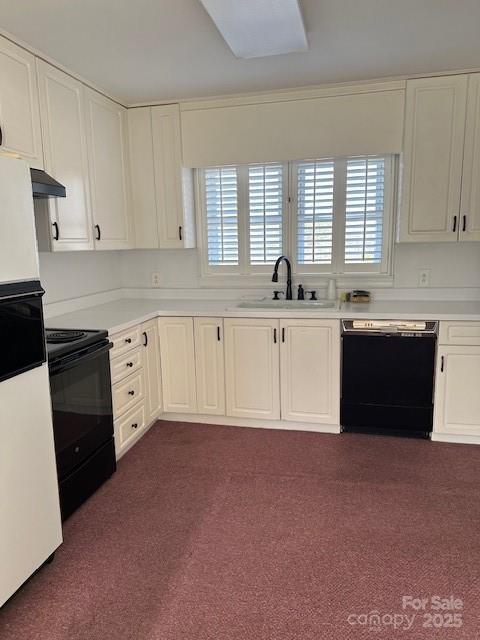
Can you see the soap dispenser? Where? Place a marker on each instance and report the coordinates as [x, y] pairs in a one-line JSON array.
[[301, 292]]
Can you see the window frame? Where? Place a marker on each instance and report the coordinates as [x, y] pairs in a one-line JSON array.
[[247, 275]]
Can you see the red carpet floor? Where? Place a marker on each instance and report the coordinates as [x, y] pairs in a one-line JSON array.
[[224, 533]]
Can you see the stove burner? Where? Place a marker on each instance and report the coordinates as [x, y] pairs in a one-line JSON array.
[[59, 337]]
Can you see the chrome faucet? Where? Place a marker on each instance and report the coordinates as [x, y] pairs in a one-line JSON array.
[[288, 295]]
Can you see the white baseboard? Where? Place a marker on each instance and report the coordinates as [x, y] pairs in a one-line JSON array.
[[454, 438], [248, 422]]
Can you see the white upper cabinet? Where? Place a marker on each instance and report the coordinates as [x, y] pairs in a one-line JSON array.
[[310, 371], [433, 155], [19, 111], [65, 151], [252, 368], [109, 180], [142, 174], [209, 365], [470, 207], [162, 190]]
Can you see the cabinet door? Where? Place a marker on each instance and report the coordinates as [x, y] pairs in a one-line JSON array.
[[209, 360], [457, 400], [173, 188], [107, 152], [433, 155], [470, 208], [19, 111], [152, 370], [310, 370], [65, 146], [177, 355], [142, 174], [252, 368]]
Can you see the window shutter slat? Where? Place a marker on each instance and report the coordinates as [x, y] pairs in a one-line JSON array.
[[315, 182], [221, 199], [265, 202], [364, 210]]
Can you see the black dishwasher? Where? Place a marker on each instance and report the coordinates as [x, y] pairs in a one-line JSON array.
[[387, 377]]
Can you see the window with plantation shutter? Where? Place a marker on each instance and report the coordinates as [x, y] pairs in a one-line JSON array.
[[315, 182], [221, 204], [364, 210], [265, 205], [329, 215]]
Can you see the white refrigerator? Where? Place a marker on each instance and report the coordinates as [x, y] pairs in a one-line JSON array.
[[30, 525]]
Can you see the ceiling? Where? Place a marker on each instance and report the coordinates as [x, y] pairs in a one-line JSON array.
[[147, 50]]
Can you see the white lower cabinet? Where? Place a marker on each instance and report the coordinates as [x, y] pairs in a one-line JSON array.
[[153, 381], [177, 354], [136, 383], [457, 397], [310, 371], [252, 357], [209, 366]]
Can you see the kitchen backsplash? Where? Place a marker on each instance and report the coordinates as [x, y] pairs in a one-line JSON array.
[[454, 273]]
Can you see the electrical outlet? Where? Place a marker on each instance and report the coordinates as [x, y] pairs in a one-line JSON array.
[[155, 279], [424, 278]]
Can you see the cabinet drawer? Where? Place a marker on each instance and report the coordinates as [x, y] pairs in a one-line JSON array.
[[127, 427], [461, 333], [124, 341], [127, 364], [128, 392]]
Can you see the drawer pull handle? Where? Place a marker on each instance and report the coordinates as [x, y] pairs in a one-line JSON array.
[[134, 425], [464, 226], [454, 224], [145, 339], [129, 364], [442, 364], [128, 340], [274, 336], [131, 393]]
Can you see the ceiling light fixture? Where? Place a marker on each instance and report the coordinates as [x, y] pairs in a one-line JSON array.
[[257, 28]]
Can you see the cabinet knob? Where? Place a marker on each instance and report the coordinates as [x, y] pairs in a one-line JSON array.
[[134, 425], [129, 364], [131, 393], [128, 340]]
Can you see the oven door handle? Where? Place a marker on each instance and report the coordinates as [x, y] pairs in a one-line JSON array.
[[72, 360]]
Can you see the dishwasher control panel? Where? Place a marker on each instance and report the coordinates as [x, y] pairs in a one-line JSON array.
[[407, 328]]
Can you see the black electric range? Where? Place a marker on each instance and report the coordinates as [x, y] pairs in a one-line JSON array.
[[80, 386]]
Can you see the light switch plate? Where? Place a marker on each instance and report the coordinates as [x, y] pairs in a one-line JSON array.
[[156, 279]]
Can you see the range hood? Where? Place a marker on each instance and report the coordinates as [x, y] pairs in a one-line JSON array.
[[44, 186]]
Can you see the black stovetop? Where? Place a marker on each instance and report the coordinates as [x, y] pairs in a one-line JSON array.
[[61, 342]]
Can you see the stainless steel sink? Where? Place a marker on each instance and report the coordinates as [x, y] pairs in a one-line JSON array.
[[306, 305]]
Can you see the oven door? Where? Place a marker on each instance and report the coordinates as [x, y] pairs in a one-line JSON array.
[[21, 328], [82, 405]]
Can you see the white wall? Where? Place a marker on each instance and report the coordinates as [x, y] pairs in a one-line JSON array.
[[451, 266], [454, 272], [75, 274]]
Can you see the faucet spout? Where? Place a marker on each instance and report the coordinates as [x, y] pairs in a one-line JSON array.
[[288, 295]]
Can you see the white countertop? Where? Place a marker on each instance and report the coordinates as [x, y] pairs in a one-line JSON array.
[[121, 314]]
